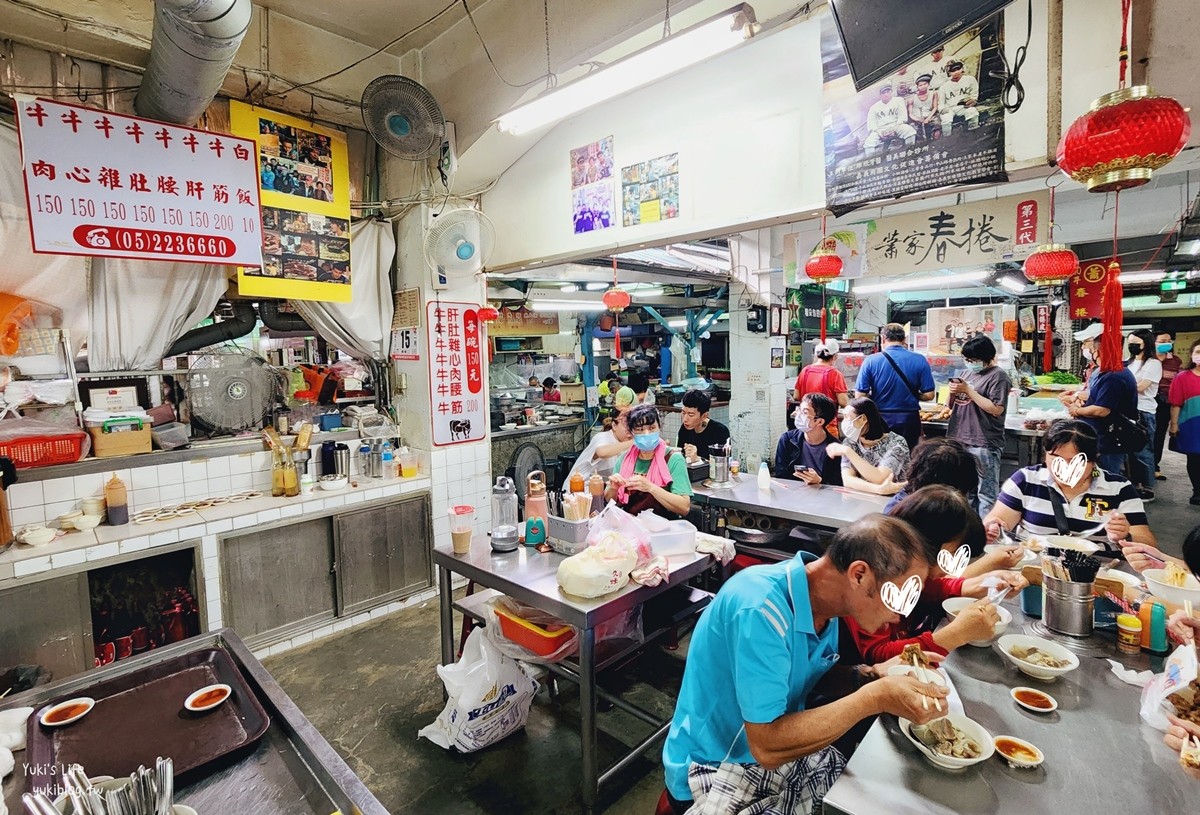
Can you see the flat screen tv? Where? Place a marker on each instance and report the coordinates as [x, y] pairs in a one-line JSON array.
[[881, 36]]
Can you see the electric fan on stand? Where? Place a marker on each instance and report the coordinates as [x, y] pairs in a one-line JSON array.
[[403, 117], [232, 391]]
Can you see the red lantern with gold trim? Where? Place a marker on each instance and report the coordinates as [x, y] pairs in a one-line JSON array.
[[489, 313], [617, 299], [1051, 264], [1123, 139], [823, 265]]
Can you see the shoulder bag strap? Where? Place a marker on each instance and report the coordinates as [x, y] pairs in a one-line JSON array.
[[911, 389], [1060, 513]]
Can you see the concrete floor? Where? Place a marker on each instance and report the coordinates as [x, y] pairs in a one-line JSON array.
[[371, 689]]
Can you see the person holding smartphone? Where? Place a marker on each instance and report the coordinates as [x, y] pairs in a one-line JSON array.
[[800, 453], [978, 403]]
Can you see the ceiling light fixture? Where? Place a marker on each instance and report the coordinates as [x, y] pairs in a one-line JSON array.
[[568, 287], [1013, 285], [680, 322], [1190, 248], [567, 305], [921, 283], [1143, 277], [665, 57]]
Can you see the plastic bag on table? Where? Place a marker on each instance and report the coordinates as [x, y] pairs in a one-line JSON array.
[[490, 695], [1178, 673], [625, 626], [599, 569], [614, 519], [533, 615]]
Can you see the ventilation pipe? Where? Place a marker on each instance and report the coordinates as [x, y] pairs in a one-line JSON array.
[[193, 45], [243, 322], [276, 320]]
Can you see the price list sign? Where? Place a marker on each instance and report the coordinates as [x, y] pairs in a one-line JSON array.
[[103, 184], [460, 408]]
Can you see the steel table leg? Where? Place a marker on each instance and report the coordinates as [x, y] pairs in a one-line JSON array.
[[446, 610], [587, 715]]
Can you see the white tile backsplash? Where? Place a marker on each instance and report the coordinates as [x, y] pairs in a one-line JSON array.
[[59, 489], [218, 467], [170, 473], [88, 485], [143, 478], [21, 496], [170, 493]]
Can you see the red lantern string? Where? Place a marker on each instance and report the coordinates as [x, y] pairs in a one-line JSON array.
[[824, 318], [1110, 340], [1123, 54], [616, 318]]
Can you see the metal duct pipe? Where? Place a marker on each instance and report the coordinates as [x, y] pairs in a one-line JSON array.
[[276, 320], [192, 47], [243, 322]]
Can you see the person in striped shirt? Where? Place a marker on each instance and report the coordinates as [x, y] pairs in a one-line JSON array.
[[1096, 504]]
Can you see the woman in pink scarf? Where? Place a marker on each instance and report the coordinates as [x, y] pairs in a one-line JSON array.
[[648, 477]]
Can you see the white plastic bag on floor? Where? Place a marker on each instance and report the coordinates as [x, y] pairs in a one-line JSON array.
[[490, 695]]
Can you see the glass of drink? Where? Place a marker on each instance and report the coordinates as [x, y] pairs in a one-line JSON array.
[[462, 520]]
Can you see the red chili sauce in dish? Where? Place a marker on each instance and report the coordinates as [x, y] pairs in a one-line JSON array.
[[64, 713], [210, 698], [1012, 749], [1034, 699]]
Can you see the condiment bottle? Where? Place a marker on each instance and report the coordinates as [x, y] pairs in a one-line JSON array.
[[277, 479], [1158, 629], [537, 509], [596, 488], [577, 482], [764, 476], [117, 500], [735, 467], [1129, 633], [291, 479], [1144, 616]]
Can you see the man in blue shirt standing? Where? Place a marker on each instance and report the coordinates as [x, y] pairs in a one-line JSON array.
[[897, 380], [743, 733]]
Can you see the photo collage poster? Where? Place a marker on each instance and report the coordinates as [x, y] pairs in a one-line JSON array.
[[650, 190], [593, 203]]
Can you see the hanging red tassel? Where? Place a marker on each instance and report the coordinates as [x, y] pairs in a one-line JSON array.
[[1110, 340], [1048, 345], [824, 315]]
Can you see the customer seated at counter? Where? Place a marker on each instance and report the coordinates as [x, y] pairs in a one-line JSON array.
[[945, 521], [800, 453], [1070, 494], [624, 399], [641, 388], [938, 461], [550, 392], [604, 451], [610, 386], [650, 476], [743, 737], [873, 458], [699, 430]]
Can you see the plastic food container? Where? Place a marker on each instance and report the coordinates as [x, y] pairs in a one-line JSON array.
[[678, 539], [540, 641]]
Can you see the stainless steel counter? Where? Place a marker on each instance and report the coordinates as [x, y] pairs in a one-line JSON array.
[[292, 770], [818, 506], [527, 430], [1099, 756]]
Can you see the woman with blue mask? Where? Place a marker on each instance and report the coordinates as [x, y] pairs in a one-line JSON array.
[[650, 476], [978, 404]]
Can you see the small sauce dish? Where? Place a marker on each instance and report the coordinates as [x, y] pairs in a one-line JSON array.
[[207, 698], [1018, 752], [1034, 700], [68, 712]]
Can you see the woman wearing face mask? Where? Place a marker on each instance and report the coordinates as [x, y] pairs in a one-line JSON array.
[[874, 459], [1070, 495], [1185, 417], [979, 402], [1148, 371], [649, 476]]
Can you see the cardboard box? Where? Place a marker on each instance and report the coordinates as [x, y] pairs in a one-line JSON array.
[[121, 442], [573, 394]]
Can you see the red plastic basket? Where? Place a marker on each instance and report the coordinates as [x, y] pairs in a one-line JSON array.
[[41, 451], [541, 641]]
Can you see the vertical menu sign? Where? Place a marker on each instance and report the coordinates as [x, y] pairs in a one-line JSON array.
[[103, 184], [459, 405]]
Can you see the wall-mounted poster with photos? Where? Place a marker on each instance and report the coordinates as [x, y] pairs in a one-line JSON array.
[[305, 187], [650, 190]]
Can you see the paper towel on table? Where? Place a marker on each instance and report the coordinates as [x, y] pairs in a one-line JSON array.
[[1136, 678]]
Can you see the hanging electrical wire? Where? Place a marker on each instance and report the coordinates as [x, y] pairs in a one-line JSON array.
[[549, 76]]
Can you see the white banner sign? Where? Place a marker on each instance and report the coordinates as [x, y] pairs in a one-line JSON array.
[[848, 241], [459, 403], [958, 236], [103, 184]]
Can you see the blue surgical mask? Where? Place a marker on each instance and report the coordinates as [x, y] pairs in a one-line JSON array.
[[647, 441], [1164, 347], [973, 367]]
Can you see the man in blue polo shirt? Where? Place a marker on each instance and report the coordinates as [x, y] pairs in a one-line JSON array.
[[897, 380], [742, 733]]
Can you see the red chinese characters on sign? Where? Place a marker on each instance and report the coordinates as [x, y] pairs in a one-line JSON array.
[[1027, 218], [1087, 291], [103, 184], [459, 405]]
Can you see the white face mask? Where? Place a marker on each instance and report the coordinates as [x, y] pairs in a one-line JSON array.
[[801, 421], [1089, 354], [850, 431]]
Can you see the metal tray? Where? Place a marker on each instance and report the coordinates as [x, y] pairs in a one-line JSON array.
[[140, 716]]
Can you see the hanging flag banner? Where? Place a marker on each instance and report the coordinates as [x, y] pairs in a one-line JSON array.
[[849, 241], [1087, 290], [958, 236], [304, 175], [804, 309], [103, 184], [937, 122], [460, 407]]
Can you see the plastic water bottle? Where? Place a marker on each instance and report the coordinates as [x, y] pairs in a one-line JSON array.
[[764, 476]]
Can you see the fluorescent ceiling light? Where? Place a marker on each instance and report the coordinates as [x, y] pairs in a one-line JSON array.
[[567, 305], [568, 287], [1142, 277], [677, 323], [665, 57], [650, 292], [596, 286], [1190, 247], [1013, 285], [921, 282]]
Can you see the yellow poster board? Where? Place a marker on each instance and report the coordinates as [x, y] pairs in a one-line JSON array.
[[304, 178]]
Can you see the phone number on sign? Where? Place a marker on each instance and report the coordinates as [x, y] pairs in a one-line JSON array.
[[91, 236]]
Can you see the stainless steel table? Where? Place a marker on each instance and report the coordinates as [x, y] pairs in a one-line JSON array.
[[291, 770], [530, 577], [1029, 442], [822, 506], [1099, 756]]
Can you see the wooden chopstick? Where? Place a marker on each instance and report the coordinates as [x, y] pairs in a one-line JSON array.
[[924, 698]]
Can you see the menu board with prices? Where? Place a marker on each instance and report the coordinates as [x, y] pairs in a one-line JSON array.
[[459, 406]]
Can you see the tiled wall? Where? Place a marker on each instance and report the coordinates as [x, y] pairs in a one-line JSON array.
[[461, 474]]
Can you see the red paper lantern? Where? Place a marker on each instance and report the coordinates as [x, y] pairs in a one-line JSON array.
[[617, 299], [1051, 264], [1123, 139], [488, 313], [823, 265]]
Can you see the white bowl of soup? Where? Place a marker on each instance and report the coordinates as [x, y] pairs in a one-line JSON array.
[[1173, 585], [1037, 657]]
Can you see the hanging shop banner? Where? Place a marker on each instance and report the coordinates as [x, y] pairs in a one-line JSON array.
[[593, 205], [650, 191], [849, 241], [804, 310], [304, 175], [460, 407], [937, 122], [957, 236], [103, 184], [523, 322], [1087, 290]]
